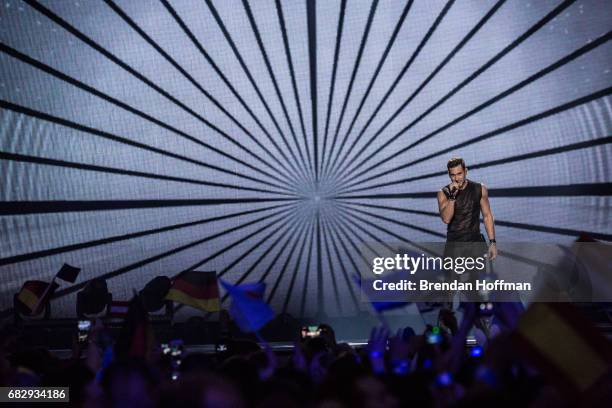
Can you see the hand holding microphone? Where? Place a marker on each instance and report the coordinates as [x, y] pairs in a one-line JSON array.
[[453, 189]]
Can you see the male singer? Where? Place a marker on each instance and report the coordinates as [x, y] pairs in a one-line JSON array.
[[460, 204]]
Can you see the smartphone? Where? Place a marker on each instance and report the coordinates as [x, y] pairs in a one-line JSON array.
[[83, 327], [165, 348], [174, 349], [434, 336], [485, 308], [310, 332]]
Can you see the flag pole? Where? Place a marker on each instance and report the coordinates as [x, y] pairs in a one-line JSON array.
[[269, 370], [260, 337]]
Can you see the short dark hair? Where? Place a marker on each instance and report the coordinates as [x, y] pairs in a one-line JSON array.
[[454, 162]]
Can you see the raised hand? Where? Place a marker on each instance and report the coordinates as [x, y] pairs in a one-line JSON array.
[[271, 363], [492, 252], [377, 344], [400, 352], [399, 349], [299, 359]]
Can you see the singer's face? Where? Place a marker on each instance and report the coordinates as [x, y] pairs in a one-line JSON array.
[[457, 174]]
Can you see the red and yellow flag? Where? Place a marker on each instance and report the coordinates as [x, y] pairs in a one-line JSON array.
[[566, 348], [32, 293], [196, 289]]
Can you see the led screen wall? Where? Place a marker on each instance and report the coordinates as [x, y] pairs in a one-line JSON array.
[[266, 140]]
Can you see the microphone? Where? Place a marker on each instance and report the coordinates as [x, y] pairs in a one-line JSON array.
[[454, 190]]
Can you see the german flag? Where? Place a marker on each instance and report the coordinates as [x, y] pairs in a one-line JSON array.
[[566, 348], [196, 289], [31, 294]]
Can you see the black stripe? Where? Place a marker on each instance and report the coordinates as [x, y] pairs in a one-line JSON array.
[[364, 40], [394, 221], [246, 70], [90, 167], [320, 294], [386, 207], [139, 264], [341, 225], [501, 253], [281, 19], [531, 119], [431, 30], [569, 190], [311, 13], [195, 83], [383, 58], [58, 20], [232, 89], [338, 226], [305, 285], [531, 227], [414, 55], [281, 252], [295, 272], [109, 136], [442, 64], [348, 223], [330, 264], [60, 75], [330, 99], [283, 269], [385, 230], [554, 230], [232, 245], [262, 49], [475, 74], [551, 68], [246, 253], [275, 259], [333, 235], [46, 207], [117, 238], [511, 159], [287, 228]]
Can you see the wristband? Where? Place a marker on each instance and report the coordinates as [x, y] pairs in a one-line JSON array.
[[450, 196], [492, 241]]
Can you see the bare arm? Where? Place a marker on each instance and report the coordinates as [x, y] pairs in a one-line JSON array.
[[487, 215], [489, 221], [446, 207]]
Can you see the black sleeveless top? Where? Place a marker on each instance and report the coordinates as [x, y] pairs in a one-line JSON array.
[[465, 224]]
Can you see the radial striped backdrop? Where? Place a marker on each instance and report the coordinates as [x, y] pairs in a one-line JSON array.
[[267, 140]]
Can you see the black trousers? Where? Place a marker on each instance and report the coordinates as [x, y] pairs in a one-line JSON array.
[[466, 245], [469, 245]]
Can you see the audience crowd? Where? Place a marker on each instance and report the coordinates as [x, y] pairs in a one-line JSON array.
[[402, 369]]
